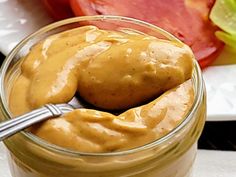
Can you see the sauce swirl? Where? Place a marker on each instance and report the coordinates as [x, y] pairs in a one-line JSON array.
[[111, 70]]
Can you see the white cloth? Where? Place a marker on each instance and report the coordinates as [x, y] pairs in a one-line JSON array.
[[215, 164]]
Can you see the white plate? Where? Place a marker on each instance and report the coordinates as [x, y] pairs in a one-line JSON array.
[[18, 18]]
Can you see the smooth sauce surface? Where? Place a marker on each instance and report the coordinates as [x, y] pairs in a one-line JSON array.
[[111, 70]]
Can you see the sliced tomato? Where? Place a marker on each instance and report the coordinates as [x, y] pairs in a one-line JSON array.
[[58, 9], [186, 19]]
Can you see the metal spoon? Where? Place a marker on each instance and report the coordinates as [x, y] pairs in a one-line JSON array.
[[13, 126]]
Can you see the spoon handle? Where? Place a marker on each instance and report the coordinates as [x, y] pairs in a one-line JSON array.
[[12, 126]]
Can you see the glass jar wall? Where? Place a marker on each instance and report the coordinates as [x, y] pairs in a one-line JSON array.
[[171, 156]]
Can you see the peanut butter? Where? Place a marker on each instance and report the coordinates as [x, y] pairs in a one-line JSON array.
[[111, 70]]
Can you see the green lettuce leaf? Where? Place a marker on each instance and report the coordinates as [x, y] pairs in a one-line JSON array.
[[228, 39], [223, 14]]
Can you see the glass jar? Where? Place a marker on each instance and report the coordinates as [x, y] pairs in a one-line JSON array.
[[170, 156]]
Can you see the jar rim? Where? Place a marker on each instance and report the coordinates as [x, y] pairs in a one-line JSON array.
[[198, 81]]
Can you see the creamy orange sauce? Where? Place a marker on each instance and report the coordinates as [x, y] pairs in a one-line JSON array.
[[111, 70], [95, 131]]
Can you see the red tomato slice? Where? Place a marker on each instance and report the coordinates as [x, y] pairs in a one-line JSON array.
[[59, 9], [186, 19]]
